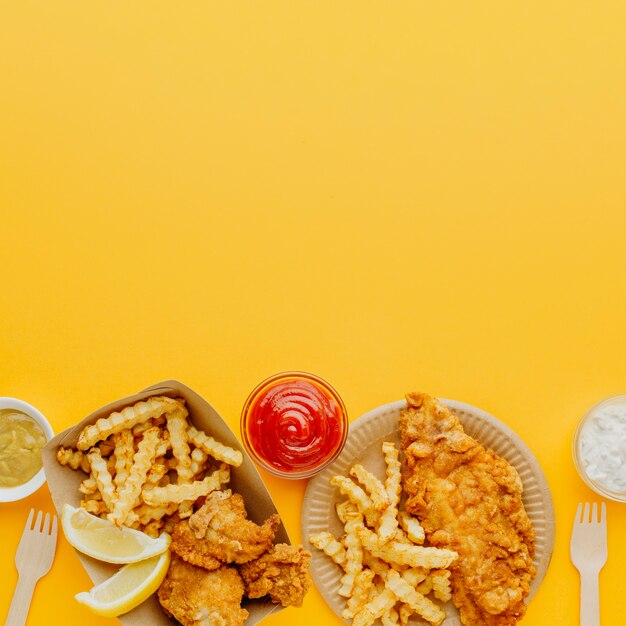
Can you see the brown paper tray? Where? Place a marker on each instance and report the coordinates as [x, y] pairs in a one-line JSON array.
[[246, 480]]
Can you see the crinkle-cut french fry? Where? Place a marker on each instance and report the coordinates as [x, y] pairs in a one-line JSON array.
[[177, 428], [95, 507], [426, 586], [441, 584], [347, 510], [156, 473], [133, 524], [411, 527], [102, 477], [353, 522], [393, 487], [126, 418], [185, 509], [111, 460], [165, 445], [143, 459], [139, 429], [124, 453], [404, 554], [378, 566], [198, 461], [146, 513], [420, 604], [76, 459], [106, 447], [401, 537], [375, 489], [214, 448], [153, 528], [390, 618], [360, 593], [404, 613], [415, 575], [358, 497], [328, 544], [89, 486], [375, 608], [190, 491], [93, 496]]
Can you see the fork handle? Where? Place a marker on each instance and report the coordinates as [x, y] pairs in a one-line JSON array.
[[589, 600], [18, 612]]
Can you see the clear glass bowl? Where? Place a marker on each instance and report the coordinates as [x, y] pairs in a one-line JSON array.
[[284, 379], [577, 445]]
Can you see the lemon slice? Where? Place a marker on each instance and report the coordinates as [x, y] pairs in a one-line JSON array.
[[103, 540], [128, 588]]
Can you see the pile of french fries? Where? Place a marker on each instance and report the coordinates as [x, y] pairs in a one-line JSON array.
[[147, 465], [388, 573]]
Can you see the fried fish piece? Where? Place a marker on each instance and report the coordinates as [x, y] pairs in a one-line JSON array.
[[469, 500], [220, 531], [282, 572], [196, 597]]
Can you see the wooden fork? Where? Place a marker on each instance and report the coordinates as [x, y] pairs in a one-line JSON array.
[[33, 559], [588, 551]]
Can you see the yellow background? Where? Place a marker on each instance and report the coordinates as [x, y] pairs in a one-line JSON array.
[[395, 196]]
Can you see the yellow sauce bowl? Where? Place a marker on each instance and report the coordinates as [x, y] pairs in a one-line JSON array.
[[11, 494]]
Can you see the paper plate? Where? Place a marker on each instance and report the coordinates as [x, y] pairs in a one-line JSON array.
[[364, 446]]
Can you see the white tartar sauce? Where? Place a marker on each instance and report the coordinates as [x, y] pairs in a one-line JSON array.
[[602, 446]]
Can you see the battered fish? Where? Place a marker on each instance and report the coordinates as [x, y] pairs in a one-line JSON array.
[[282, 572], [196, 597], [219, 532], [469, 500]]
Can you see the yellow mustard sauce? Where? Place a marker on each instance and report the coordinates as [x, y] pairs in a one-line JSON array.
[[21, 441]]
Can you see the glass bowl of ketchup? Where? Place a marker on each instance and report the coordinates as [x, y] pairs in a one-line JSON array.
[[294, 424]]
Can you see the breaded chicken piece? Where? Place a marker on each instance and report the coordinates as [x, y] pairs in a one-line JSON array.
[[196, 597], [282, 572], [469, 500], [220, 532], [193, 550]]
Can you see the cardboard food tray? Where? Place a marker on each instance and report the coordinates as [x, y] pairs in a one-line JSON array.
[[63, 483]]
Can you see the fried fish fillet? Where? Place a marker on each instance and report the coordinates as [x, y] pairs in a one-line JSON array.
[[282, 572], [469, 500], [219, 532], [196, 597]]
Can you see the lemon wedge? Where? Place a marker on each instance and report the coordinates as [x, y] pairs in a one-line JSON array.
[[103, 540], [128, 588]]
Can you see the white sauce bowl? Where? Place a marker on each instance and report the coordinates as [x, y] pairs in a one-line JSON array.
[[601, 471], [11, 494]]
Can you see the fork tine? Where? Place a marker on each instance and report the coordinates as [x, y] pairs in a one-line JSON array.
[[603, 514], [586, 513], [53, 534], [46, 524], [37, 527], [579, 511], [29, 521], [594, 514]]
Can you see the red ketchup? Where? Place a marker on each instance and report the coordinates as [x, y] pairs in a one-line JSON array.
[[294, 424]]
